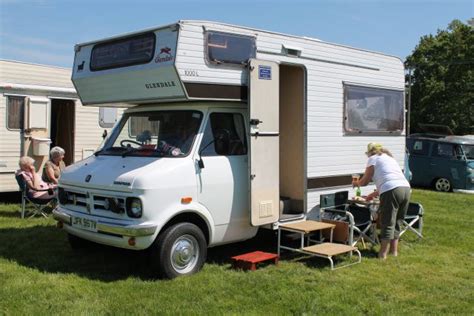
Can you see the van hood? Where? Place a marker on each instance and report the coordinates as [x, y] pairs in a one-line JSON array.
[[117, 173]]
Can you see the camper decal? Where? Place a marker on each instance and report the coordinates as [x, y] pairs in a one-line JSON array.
[[163, 84], [164, 55], [264, 72]]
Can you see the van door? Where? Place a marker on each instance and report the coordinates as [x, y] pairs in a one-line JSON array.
[[264, 170]]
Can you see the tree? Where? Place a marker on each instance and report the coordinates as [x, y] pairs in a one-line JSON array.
[[442, 79]]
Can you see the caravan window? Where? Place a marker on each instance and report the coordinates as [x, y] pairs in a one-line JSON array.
[[372, 110], [229, 48], [15, 112], [124, 52]]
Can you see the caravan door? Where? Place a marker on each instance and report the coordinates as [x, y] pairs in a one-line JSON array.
[[264, 172]]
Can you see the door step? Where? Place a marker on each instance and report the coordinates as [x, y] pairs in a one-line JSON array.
[[249, 261]]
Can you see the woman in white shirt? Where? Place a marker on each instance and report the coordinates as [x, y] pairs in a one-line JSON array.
[[394, 191]]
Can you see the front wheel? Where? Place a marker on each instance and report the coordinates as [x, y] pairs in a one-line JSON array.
[[180, 250], [442, 185]]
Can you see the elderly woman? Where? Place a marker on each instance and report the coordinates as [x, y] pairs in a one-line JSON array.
[[54, 166], [394, 191], [34, 181]]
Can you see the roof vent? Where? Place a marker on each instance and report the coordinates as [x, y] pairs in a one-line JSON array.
[[291, 50]]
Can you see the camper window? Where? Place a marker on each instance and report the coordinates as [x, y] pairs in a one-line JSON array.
[[124, 52], [372, 110], [229, 48], [224, 135], [15, 112]]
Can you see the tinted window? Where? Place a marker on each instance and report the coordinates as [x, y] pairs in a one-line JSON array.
[[444, 150], [15, 112], [124, 52], [372, 110], [228, 131], [419, 147], [229, 48]]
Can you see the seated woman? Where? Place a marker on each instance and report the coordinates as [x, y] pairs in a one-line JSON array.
[[34, 181], [54, 166]]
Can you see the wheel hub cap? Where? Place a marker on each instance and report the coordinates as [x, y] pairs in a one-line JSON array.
[[184, 253]]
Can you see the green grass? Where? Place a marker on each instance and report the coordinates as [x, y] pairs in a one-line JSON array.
[[40, 274]]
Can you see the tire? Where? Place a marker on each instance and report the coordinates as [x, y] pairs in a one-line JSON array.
[[180, 250], [442, 185], [77, 242]]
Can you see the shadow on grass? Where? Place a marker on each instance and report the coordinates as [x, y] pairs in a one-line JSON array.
[[46, 249]]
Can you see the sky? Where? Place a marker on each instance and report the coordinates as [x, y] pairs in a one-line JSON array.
[[45, 31]]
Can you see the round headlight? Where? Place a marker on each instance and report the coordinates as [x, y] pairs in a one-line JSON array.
[[134, 208]]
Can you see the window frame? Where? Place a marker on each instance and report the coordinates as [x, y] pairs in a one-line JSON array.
[[7, 110], [123, 39], [227, 64], [346, 86]]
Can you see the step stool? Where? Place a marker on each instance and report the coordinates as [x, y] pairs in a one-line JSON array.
[[248, 261]]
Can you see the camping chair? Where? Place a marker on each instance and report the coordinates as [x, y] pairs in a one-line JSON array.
[[39, 205], [353, 222], [413, 219], [333, 209], [363, 224]]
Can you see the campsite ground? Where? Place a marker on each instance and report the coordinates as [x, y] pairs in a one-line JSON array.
[[40, 274]]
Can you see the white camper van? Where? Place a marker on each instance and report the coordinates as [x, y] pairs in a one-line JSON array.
[[227, 129], [39, 108]]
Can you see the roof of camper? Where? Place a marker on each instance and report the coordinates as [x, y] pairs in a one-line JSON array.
[[229, 25]]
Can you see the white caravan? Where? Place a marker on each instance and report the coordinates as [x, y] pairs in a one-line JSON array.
[[39, 108], [227, 129]]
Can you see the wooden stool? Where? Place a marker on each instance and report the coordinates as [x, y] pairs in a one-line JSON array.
[[249, 260]]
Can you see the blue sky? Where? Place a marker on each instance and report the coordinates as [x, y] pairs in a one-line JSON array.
[[45, 31]]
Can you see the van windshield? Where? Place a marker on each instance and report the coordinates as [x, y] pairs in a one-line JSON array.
[[154, 134], [468, 151]]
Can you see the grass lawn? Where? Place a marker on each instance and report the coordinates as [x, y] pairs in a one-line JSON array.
[[40, 274]]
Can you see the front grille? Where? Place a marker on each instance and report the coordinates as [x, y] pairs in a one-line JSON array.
[[109, 203], [74, 198]]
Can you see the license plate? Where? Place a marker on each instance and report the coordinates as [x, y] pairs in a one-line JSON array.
[[84, 223]]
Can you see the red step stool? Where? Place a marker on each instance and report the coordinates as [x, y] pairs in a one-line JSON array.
[[248, 261]]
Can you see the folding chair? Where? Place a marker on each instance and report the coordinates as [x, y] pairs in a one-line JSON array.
[[39, 205], [413, 219], [353, 223], [363, 224]]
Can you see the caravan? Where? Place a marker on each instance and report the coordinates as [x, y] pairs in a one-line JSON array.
[[227, 129], [39, 108]]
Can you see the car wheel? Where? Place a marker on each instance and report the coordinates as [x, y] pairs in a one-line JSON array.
[[180, 250], [442, 185], [77, 243]]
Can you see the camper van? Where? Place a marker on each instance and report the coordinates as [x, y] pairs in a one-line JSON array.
[[39, 109], [444, 163], [227, 129]]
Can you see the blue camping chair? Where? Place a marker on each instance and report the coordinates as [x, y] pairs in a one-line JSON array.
[[39, 205]]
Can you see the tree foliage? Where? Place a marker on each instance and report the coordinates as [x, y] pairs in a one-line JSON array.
[[442, 78]]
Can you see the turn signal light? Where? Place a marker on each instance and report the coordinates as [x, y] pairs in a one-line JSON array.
[[131, 241], [186, 200]]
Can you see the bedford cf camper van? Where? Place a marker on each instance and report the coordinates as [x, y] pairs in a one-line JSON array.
[[226, 129]]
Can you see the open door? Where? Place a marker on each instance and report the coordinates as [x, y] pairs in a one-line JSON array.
[[264, 154]]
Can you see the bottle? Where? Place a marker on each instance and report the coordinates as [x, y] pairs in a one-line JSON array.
[[358, 191]]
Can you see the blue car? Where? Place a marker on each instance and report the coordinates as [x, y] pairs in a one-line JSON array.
[[443, 163]]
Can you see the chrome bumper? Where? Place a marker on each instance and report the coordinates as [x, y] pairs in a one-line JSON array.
[[131, 230]]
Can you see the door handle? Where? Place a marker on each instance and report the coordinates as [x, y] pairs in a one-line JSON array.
[[255, 121]]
